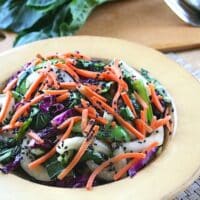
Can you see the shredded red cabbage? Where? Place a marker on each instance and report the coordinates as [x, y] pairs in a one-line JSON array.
[[12, 165], [47, 103], [142, 163], [59, 119]]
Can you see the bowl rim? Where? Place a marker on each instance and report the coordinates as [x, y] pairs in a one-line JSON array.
[[102, 43]]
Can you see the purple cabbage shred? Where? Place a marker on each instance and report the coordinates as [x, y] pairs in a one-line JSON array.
[[12, 165], [59, 119], [142, 163]]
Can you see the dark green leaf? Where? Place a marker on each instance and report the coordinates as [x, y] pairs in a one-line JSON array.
[[92, 155], [17, 96], [40, 121], [16, 16], [126, 113]]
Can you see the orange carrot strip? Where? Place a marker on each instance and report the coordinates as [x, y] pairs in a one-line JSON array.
[[123, 170], [54, 78], [77, 56], [154, 98], [68, 85], [23, 108], [125, 124], [143, 115], [161, 122], [66, 123], [84, 73], [89, 126], [140, 100], [84, 146], [154, 119], [128, 102], [48, 155], [85, 103], [62, 97], [8, 127], [5, 107], [84, 120], [116, 97], [168, 125], [93, 115], [10, 85], [110, 161], [55, 92], [140, 126], [36, 137], [69, 70], [34, 86], [86, 91]]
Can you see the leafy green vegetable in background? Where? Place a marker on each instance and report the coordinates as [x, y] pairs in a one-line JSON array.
[[40, 19]]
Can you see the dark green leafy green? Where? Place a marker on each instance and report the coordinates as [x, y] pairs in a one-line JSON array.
[[90, 65], [92, 155], [53, 166], [159, 88], [8, 154], [113, 134], [41, 19], [126, 113], [17, 96], [40, 120]]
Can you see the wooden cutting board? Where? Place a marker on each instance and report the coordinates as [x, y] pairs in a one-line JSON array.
[[148, 22]]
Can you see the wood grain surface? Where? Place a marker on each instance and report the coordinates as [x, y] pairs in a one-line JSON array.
[[151, 23]]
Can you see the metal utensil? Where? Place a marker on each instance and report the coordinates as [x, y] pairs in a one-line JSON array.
[[188, 12]]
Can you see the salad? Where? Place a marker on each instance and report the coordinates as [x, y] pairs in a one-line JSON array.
[[69, 120]]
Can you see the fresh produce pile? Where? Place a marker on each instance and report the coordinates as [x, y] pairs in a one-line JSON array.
[[73, 121], [41, 19]]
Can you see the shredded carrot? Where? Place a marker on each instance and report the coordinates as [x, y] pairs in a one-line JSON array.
[[62, 97], [8, 127], [5, 107], [84, 120], [66, 123], [143, 126], [76, 55], [10, 85], [89, 127], [36, 137], [69, 70], [34, 86], [24, 108], [140, 100], [54, 78], [93, 115], [140, 126], [128, 102], [68, 85], [97, 102], [154, 119], [161, 122], [79, 154], [86, 91], [155, 99], [48, 155], [143, 115], [85, 103], [116, 97], [123, 170], [84, 73], [168, 124], [55, 92], [110, 161]]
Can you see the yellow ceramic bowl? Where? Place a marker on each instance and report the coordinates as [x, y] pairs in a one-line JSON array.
[[177, 165]]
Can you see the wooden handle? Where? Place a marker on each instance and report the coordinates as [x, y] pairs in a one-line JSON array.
[[7, 40]]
